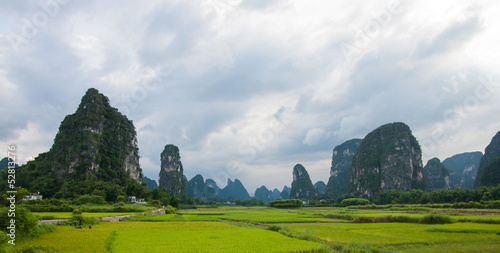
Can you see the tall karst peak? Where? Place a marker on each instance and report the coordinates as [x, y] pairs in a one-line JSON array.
[[437, 175], [171, 171], [388, 158], [302, 187], [94, 143]]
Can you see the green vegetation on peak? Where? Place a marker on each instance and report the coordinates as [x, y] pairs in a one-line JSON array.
[[389, 157], [488, 173], [302, 187], [171, 171], [436, 175], [95, 144]]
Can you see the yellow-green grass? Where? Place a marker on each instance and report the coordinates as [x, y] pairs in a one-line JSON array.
[[260, 215], [398, 233], [168, 237], [67, 215], [206, 237], [178, 217]]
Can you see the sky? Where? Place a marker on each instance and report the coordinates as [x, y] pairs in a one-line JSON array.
[[247, 89]]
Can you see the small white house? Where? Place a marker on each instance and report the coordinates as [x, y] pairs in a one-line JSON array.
[[134, 200], [34, 196]]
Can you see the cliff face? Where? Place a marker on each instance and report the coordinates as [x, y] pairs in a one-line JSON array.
[[95, 143], [436, 175], [339, 172], [234, 190], [171, 172], [388, 158], [488, 173], [463, 169], [302, 187]]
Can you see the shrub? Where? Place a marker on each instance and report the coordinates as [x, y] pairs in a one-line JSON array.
[[274, 228], [170, 210], [436, 219], [91, 199], [80, 220], [354, 202], [289, 203]]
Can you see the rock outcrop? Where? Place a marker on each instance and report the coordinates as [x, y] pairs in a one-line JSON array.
[[488, 173], [263, 194], [463, 169], [341, 163], [96, 143], [172, 172], [196, 187], [302, 187], [234, 190], [388, 158], [436, 175]]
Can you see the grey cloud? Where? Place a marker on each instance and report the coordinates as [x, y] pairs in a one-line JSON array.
[[452, 38]]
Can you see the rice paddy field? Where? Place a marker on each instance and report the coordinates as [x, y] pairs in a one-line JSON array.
[[264, 229]]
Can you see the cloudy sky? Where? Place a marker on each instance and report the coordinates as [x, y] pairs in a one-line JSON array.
[[247, 89]]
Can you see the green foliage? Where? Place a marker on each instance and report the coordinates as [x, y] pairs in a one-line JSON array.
[[77, 211], [375, 148], [288, 203], [457, 195], [80, 220], [91, 199], [302, 186], [170, 210], [436, 219], [90, 148], [354, 202], [490, 174], [249, 202], [26, 223], [274, 228]]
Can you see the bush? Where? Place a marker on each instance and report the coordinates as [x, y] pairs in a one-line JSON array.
[[274, 228], [436, 219], [170, 210], [25, 222], [91, 199], [354, 202], [80, 220], [289, 203]]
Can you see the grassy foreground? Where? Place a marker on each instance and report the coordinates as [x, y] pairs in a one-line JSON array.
[[263, 229], [168, 237]]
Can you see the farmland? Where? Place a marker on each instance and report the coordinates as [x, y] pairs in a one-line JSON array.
[[264, 229]]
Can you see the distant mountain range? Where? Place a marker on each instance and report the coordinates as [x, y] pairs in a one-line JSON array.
[[96, 149]]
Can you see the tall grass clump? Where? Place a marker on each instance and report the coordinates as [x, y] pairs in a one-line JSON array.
[[436, 219], [354, 202]]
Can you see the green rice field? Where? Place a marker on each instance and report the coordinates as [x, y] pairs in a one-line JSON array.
[[264, 229]]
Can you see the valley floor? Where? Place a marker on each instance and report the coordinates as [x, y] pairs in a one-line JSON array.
[[263, 229]]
